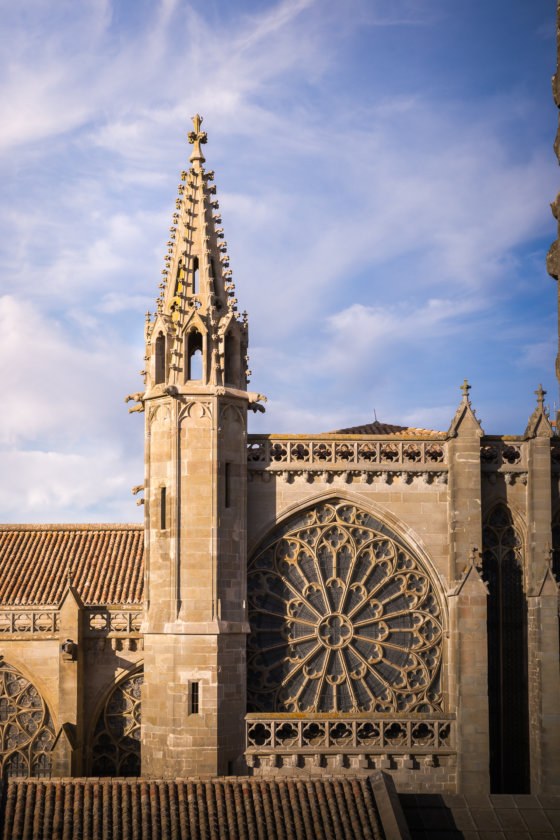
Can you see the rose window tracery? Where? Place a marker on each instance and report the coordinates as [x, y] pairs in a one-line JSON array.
[[343, 618], [116, 745], [26, 728]]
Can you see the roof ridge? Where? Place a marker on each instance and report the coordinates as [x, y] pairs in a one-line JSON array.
[[71, 526]]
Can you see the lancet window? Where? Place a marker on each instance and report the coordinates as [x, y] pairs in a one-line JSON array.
[[507, 653], [116, 738], [26, 728], [344, 618], [193, 352]]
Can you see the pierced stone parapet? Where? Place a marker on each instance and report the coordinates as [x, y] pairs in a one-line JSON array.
[[270, 451], [503, 455], [350, 735], [109, 622], [25, 623]]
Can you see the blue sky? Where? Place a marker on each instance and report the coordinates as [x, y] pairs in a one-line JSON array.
[[384, 171]]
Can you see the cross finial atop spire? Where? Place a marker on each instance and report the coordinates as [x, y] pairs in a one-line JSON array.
[[540, 394], [197, 137], [465, 388]]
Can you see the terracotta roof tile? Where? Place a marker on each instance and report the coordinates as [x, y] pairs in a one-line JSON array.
[[377, 428], [242, 808], [105, 563]]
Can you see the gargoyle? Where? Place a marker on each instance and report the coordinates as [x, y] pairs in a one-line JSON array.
[[138, 397], [255, 400]]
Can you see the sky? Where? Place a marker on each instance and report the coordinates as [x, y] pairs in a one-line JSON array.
[[384, 170]]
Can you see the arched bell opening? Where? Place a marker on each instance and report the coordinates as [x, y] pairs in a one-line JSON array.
[[194, 369], [507, 653]]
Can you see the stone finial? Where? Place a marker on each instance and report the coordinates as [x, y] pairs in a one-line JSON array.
[[540, 394], [195, 138], [465, 388]]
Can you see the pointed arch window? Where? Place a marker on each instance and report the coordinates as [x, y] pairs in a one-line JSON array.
[[193, 353], [159, 372], [26, 728], [507, 653], [116, 738]]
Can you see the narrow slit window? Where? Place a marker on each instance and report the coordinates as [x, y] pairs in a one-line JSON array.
[[163, 508], [195, 276], [227, 486], [160, 359], [194, 698]]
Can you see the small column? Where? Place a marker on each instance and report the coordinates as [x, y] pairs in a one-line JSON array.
[[68, 747], [468, 648]]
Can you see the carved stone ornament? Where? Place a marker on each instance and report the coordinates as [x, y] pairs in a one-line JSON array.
[[343, 618]]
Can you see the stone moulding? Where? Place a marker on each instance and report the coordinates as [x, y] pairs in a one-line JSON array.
[[387, 475]]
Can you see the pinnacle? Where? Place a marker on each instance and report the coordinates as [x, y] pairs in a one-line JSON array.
[[196, 309]]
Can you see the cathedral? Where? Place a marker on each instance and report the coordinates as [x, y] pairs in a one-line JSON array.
[[375, 598]]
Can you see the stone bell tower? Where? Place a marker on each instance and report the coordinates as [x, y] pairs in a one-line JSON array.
[[195, 403]]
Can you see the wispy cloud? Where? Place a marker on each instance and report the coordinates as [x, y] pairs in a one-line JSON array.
[[382, 219]]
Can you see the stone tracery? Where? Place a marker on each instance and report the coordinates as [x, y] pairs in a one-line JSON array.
[[26, 728], [343, 618], [116, 747]]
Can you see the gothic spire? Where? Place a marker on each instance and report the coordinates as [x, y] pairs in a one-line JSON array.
[[197, 318]]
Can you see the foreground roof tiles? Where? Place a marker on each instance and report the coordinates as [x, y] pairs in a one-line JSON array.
[[220, 809], [105, 563]]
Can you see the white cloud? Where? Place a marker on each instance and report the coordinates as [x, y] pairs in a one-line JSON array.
[[369, 222]]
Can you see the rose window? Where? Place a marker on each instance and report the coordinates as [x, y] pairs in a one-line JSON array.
[[343, 618]]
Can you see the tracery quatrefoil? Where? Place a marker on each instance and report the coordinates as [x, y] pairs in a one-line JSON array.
[[343, 618]]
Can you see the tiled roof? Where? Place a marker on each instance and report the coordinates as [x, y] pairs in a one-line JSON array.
[[377, 428], [220, 809], [105, 563]]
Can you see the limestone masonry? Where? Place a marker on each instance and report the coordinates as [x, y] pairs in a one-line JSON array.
[[374, 598]]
